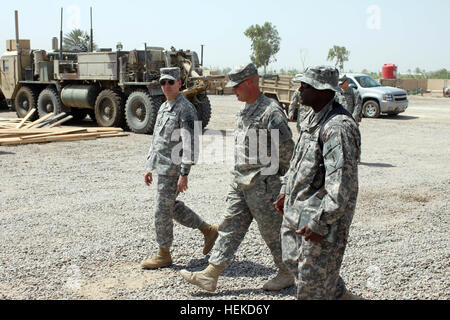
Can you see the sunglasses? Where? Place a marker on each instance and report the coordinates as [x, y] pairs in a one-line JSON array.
[[305, 85], [164, 82]]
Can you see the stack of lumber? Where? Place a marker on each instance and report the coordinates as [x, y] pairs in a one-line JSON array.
[[48, 129]]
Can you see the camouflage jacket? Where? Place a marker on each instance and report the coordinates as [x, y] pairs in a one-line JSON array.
[[258, 152], [175, 120], [351, 101], [295, 103], [321, 185]]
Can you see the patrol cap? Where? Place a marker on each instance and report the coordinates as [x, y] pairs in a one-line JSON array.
[[343, 79], [170, 73], [240, 74], [321, 78]]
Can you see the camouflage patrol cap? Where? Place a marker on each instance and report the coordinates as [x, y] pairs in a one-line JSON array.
[[321, 78], [170, 73], [240, 74], [343, 79]]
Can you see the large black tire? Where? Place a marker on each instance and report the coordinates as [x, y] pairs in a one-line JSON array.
[[49, 101], [371, 109], [141, 111], [203, 106], [25, 101], [109, 109]]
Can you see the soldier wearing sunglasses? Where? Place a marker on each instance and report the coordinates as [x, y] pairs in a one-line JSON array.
[[176, 118]]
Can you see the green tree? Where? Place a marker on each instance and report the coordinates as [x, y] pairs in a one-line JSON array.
[[265, 44], [77, 40], [340, 54]]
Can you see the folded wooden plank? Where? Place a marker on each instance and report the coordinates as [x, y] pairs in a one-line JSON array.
[[60, 121], [56, 133], [39, 120], [51, 120], [29, 114]]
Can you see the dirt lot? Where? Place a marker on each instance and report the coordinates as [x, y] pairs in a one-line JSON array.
[[76, 218]]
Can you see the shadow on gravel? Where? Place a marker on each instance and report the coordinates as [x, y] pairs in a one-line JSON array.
[[234, 270], [399, 117], [5, 152], [379, 165], [291, 291]]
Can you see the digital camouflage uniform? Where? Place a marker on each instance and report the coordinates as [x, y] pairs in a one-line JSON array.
[[175, 119], [320, 190], [351, 101], [252, 192], [296, 105]]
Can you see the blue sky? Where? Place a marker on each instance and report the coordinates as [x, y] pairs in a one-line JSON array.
[[409, 34]]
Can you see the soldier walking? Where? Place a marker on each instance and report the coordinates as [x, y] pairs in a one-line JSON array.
[[296, 105], [255, 186], [350, 99], [176, 115], [319, 192]]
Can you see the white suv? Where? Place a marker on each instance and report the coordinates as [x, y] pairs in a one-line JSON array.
[[377, 99]]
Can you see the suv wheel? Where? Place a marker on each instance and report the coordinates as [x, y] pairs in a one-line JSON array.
[[371, 109]]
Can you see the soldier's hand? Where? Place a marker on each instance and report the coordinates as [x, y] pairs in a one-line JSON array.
[[279, 204], [182, 183], [148, 178], [309, 235]]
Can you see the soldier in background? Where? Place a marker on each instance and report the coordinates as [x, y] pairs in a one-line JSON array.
[[296, 105], [254, 188], [176, 116], [319, 192], [350, 99]]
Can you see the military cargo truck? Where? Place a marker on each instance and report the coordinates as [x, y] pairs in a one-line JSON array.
[[280, 88], [116, 88]]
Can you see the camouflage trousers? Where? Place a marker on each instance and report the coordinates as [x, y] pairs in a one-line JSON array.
[[244, 205], [316, 265], [169, 209]]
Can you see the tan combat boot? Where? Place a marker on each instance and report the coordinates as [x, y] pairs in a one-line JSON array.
[[283, 279], [349, 296], [206, 279], [211, 234], [161, 260]]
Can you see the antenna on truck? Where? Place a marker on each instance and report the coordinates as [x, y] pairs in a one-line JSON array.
[[92, 35], [61, 36]]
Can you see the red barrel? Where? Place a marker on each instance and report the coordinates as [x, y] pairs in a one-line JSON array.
[[389, 71]]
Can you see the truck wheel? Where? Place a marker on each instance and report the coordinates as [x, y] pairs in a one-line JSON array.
[[371, 109], [203, 106], [24, 102], [109, 111], [141, 110], [49, 101]]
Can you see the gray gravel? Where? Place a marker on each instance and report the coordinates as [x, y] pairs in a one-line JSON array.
[[76, 218]]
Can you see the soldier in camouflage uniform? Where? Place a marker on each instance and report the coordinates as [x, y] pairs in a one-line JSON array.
[[350, 99], [256, 182], [319, 192], [296, 105], [176, 119]]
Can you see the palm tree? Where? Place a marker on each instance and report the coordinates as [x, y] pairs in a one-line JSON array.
[[77, 40]]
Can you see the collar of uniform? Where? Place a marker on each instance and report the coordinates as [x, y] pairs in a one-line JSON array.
[[170, 104], [315, 118], [249, 109]]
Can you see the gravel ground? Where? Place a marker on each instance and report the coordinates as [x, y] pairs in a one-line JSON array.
[[76, 218]]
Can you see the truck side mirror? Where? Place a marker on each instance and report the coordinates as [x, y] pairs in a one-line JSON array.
[[352, 85]]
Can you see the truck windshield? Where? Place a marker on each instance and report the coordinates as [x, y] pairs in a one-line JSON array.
[[367, 82]]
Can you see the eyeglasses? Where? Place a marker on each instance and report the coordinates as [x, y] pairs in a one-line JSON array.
[[164, 82], [304, 85]]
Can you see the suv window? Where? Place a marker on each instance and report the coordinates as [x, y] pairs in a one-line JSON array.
[[367, 82]]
